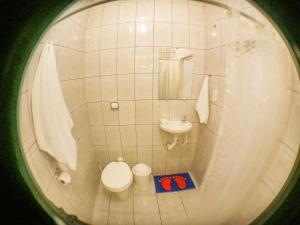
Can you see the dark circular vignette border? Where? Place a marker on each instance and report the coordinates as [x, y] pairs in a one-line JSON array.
[[22, 22]]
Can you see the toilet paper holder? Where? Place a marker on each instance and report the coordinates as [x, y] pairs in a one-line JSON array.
[[62, 176]]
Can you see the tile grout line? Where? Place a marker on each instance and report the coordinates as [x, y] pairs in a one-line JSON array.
[[134, 75]]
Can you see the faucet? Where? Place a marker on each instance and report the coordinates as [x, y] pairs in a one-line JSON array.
[[184, 118]]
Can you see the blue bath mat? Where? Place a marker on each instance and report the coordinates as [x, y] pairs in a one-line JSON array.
[[173, 182]]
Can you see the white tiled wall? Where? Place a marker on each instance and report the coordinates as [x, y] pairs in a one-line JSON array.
[[78, 197], [121, 54]]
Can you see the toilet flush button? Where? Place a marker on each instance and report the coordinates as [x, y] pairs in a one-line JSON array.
[[114, 105]]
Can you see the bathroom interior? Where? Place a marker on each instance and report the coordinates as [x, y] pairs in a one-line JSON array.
[[117, 92]]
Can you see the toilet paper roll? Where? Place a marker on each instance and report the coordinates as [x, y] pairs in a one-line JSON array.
[[64, 178]]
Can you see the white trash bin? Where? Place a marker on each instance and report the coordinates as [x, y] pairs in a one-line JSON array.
[[141, 173]]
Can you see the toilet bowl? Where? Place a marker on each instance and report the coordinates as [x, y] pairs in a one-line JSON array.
[[117, 178]]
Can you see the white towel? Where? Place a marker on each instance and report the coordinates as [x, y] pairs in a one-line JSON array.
[[51, 118], [202, 105]]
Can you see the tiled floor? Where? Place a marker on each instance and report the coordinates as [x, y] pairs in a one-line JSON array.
[[145, 207]]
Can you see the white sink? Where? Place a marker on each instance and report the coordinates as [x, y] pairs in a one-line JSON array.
[[175, 126]]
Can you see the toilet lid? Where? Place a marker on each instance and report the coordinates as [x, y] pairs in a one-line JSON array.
[[116, 175]]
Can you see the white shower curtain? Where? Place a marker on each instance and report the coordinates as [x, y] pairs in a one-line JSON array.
[[250, 125], [52, 121]]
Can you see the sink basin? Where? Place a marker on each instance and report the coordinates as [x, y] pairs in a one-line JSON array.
[[176, 126]]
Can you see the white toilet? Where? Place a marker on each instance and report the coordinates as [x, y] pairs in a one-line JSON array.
[[117, 178]]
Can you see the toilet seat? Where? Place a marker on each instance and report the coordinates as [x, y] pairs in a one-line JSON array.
[[117, 176]]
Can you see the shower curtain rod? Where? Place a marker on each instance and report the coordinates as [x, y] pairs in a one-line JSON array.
[[210, 2]]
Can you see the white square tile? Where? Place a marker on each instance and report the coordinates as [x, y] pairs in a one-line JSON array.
[[172, 167], [120, 219], [64, 37], [161, 108], [147, 219], [174, 218], [127, 11], [159, 168], [144, 60], [109, 88], [92, 39], [179, 12], [159, 137], [110, 13], [102, 157], [170, 203], [177, 109], [143, 87], [145, 10], [162, 34], [174, 155], [144, 134], [159, 154], [125, 87], [145, 205], [124, 206], [92, 64], [180, 35], [126, 35], [100, 218], [188, 152], [130, 153], [113, 136], [127, 112], [98, 135], [102, 203], [125, 60], [163, 11], [155, 87], [194, 133], [94, 17], [143, 112], [108, 62], [115, 151], [156, 52], [93, 89], [109, 36], [128, 135], [95, 113], [199, 62], [144, 154], [110, 116], [144, 34]]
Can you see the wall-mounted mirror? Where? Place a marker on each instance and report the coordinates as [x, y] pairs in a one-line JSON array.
[[175, 73]]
